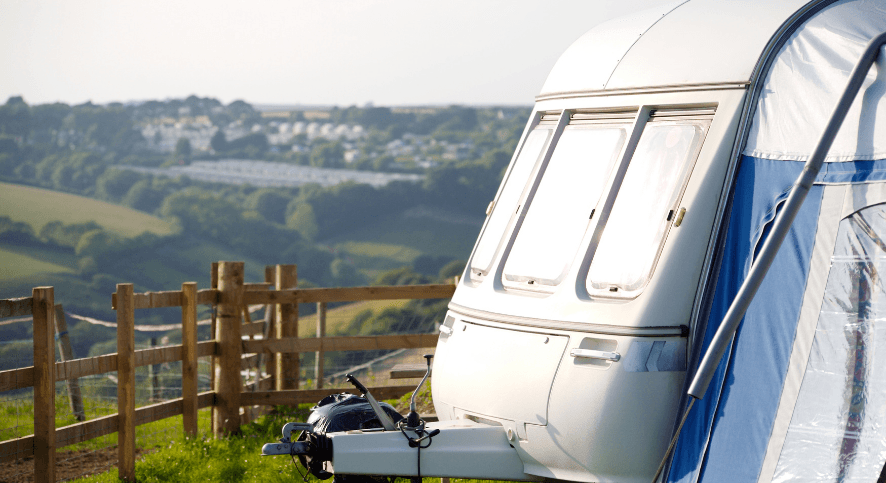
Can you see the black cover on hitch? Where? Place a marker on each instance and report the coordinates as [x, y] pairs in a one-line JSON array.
[[346, 412], [336, 413]]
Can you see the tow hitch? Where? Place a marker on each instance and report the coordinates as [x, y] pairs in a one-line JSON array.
[[362, 440], [346, 412]]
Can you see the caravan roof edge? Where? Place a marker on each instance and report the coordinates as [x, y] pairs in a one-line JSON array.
[[709, 42], [643, 90]]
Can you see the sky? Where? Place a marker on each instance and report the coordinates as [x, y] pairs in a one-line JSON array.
[[329, 52]]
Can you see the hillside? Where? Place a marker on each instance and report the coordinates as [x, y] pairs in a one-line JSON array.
[[398, 240], [37, 206], [76, 214], [24, 262]]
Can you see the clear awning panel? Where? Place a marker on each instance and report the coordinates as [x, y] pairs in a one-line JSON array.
[[838, 428]]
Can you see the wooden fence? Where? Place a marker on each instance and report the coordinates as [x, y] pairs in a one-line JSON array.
[[233, 348]]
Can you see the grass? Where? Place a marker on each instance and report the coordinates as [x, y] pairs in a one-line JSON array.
[[171, 457], [401, 238], [398, 253], [17, 419], [230, 459], [16, 261], [37, 207], [338, 318]]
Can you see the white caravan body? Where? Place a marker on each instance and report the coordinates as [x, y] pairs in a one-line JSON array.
[[667, 154], [593, 286]]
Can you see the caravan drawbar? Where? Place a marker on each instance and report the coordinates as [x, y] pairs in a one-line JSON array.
[[679, 277]]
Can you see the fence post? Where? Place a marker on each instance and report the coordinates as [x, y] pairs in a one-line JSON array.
[[248, 412], [189, 358], [321, 332], [286, 369], [43, 309], [153, 377], [268, 331], [125, 381], [213, 310], [75, 397], [228, 384]]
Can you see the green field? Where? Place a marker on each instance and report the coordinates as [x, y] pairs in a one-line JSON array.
[[395, 241], [398, 237], [16, 261], [37, 207], [337, 319], [398, 253]]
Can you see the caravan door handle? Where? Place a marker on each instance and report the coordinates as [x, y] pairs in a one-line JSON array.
[[594, 354]]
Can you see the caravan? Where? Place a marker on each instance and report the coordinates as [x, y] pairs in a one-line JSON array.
[[629, 312]]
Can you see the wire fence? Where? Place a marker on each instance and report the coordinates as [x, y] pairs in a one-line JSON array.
[[93, 449], [98, 398], [362, 318], [386, 317]]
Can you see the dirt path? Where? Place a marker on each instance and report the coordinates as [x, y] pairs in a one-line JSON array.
[[69, 465]]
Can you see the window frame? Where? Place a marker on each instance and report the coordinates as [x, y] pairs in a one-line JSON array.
[[703, 114], [477, 275], [578, 119], [637, 117]]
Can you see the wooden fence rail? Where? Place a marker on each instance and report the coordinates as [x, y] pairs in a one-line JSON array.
[[16, 307], [235, 347], [91, 366], [347, 294], [342, 343]]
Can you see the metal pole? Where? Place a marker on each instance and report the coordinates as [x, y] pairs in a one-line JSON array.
[[782, 224], [779, 231]]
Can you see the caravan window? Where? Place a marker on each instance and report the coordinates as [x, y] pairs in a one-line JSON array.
[[559, 212], [506, 205], [643, 210]]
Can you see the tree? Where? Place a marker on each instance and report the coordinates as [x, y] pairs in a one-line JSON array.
[[269, 203], [103, 126], [182, 151], [143, 196], [328, 155], [303, 220], [47, 119], [257, 141], [57, 233], [97, 244], [203, 212], [240, 109], [219, 142], [16, 232], [115, 183], [15, 117]]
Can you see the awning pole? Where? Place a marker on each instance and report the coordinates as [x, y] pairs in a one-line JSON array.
[[780, 228]]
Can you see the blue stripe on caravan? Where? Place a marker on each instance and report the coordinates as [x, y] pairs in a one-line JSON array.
[[760, 185], [852, 172], [760, 356]]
